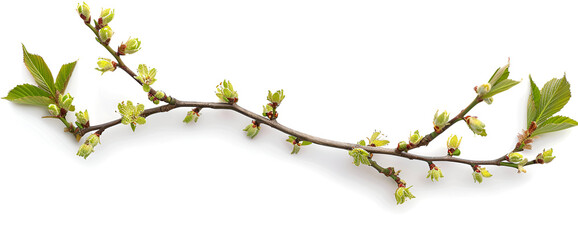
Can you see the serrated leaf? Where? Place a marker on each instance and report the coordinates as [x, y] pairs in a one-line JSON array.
[[64, 76], [40, 71], [501, 86], [553, 124], [29, 94], [533, 99], [553, 97]]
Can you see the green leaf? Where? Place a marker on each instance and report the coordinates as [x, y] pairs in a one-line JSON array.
[[553, 124], [64, 76], [29, 94], [500, 74], [39, 71], [553, 97], [305, 143], [501, 86], [532, 102]]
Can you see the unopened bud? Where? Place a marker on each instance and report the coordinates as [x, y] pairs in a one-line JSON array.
[[489, 100], [82, 117], [252, 129], [105, 34], [105, 65], [106, 16], [84, 12], [515, 157], [434, 173], [131, 46], [160, 95], [402, 146], [480, 173], [93, 139], [402, 193], [545, 156], [476, 125], [54, 110], [440, 120], [483, 89], [85, 150], [415, 138], [65, 102], [453, 144]]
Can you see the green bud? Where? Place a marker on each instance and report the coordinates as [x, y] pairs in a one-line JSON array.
[[82, 118], [480, 173], [54, 110], [441, 120], [65, 101], [226, 93], [192, 116], [476, 125], [84, 12], [415, 138], [483, 89], [93, 140], [85, 150], [489, 100], [276, 98], [131, 46], [252, 129], [105, 65], [106, 16], [545, 157], [477, 177], [360, 156], [434, 173], [402, 193], [105, 34], [453, 144], [515, 157], [160, 95], [402, 146]]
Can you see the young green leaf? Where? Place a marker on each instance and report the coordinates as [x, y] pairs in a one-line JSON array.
[[64, 76], [553, 97], [533, 102], [29, 94], [39, 71], [501, 86], [553, 124]]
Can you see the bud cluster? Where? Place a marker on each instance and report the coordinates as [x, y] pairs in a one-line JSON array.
[[414, 139], [131, 114], [480, 173], [82, 120], [545, 156], [440, 121], [434, 172], [131, 46], [105, 65], [226, 93], [297, 144], [252, 129], [158, 97], [84, 12], [88, 147], [192, 115], [275, 99], [360, 156], [402, 193], [453, 144]]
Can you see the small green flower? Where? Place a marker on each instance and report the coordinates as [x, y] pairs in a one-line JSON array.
[[105, 34], [146, 76], [545, 156], [105, 65], [65, 102], [434, 173], [131, 114], [106, 16], [82, 118], [226, 93], [453, 144], [402, 193], [192, 115], [54, 110], [476, 125], [480, 173], [360, 156], [84, 12], [252, 129], [88, 147], [415, 138], [131, 46], [440, 120]]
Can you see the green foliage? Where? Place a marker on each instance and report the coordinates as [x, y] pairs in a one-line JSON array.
[[360, 156], [276, 98], [226, 93], [297, 144], [501, 86], [64, 76], [376, 141], [252, 129], [29, 94], [544, 103], [40, 71]]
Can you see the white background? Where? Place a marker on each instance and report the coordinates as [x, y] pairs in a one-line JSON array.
[[347, 68]]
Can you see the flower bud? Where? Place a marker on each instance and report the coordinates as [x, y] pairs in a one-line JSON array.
[[93, 139], [160, 95], [54, 110], [360, 156], [85, 150], [105, 64], [105, 34], [483, 89], [476, 125], [192, 116], [521, 165], [226, 93], [434, 173], [276, 98], [453, 144], [415, 138], [480, 173], [402, 193], [82, 118], [106, 16], [440, 121], [545, 156], [402, 146], [65, 102], [131, 46], [252, 129], [515, 157], [84, 12], [489, 100]]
